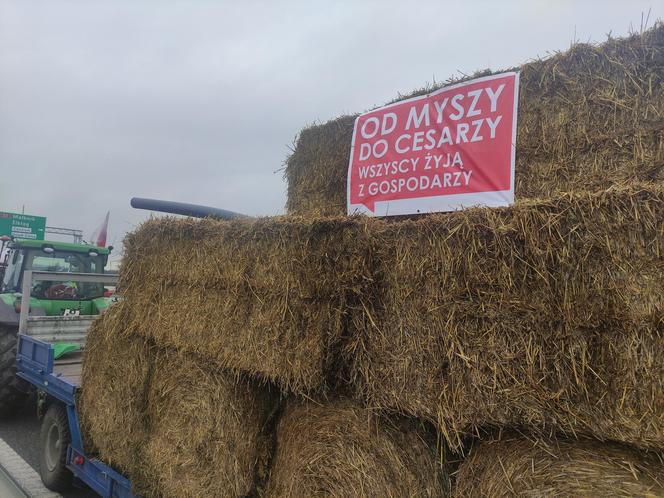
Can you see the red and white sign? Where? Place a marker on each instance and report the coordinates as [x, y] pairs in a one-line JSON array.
[[451, 149]]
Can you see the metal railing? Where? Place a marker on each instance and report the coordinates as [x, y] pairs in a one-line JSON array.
[[77, 235]]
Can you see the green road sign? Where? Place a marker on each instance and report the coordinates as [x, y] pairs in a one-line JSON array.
[[22, 226]]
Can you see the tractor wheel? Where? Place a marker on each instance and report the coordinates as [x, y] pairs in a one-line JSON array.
[[55, 439], [13, 390]]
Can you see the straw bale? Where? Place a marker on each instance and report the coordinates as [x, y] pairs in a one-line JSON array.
[[270, 297], [547, 314], [317, 169], [589, 118], [206, 430], [521, 467], [116, 372], [338, 448]]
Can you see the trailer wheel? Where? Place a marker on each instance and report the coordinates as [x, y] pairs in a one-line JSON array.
[[13, 390], [55, 439]]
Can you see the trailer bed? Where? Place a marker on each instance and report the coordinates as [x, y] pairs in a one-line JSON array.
[[60, 380], [69, 368]]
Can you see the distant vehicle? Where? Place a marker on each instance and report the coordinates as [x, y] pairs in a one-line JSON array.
[[54, 370], [47, 299]]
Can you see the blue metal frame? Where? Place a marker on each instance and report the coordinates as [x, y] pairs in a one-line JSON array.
[[34, 363]]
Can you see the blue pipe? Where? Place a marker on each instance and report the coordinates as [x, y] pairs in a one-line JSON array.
[[184, 209]]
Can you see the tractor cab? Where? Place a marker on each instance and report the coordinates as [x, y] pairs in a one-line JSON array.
[[53, 297]]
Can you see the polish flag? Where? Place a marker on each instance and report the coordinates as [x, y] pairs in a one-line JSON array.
[[99, 235]]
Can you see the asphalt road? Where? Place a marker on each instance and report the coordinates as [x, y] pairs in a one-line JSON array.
[[22, 434]]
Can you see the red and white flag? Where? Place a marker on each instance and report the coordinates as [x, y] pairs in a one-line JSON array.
[[99, 236]]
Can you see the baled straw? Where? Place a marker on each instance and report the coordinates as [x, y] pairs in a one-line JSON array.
[[338, 448], [520, 467], [547, 314], [206, 434], [316, 171], [116, 371], [269, 297]]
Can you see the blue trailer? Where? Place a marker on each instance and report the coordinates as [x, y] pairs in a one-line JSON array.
[[62, 454], [62, 457]]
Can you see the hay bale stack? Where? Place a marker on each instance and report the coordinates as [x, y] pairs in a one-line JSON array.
[[172, 425], [270, 297], [116, 372], [547, 314], [588, 118], [338, 448], [206, 431], [592, 117], [519, 467]]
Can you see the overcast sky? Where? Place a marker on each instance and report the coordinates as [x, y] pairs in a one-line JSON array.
[[199, 101]]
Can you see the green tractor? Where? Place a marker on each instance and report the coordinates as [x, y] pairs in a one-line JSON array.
[[47, 298]]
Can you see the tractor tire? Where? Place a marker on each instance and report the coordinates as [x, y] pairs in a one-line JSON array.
[[13, 390]]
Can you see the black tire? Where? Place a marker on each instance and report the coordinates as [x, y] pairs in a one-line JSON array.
[[54, 439], [13, 390]]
